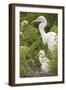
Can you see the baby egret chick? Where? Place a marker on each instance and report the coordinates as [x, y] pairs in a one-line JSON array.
[[44, 61]]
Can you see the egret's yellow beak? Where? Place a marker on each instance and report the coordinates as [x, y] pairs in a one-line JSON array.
[[34, 21]]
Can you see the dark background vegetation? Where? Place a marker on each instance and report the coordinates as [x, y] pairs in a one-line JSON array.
[[31, 43]]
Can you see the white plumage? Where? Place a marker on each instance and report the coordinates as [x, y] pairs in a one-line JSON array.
[[48, 38], [44, 61]]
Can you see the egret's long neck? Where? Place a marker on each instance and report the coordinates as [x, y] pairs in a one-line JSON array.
[[42, 32]]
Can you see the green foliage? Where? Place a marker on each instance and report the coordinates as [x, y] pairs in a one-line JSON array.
[[31, 43], [28, 38], [25, 61], [54, 62], [53, 28]]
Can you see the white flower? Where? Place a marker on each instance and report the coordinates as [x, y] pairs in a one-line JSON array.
[[24, 22]]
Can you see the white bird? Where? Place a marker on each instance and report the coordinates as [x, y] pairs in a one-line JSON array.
[[44, 61], [48, 38]]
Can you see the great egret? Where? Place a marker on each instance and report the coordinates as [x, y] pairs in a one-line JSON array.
[[44, 61], [48, 38]]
